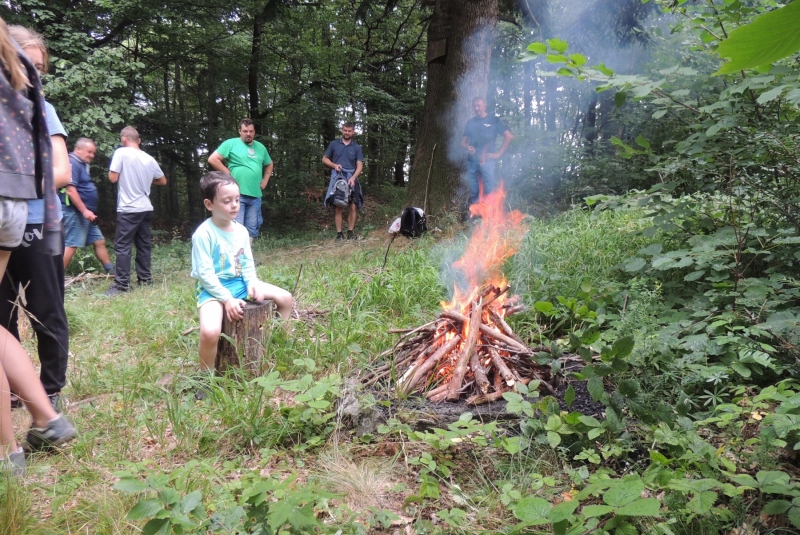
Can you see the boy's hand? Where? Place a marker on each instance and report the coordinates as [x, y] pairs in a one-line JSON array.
[[234, 309], [256, 292]]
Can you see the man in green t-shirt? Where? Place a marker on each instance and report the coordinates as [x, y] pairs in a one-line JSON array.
[[250, 165]]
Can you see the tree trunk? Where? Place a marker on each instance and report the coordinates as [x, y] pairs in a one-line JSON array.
[[248, 336], [460, 38]]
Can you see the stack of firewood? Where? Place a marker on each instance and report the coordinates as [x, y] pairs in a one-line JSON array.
[[472, 354]]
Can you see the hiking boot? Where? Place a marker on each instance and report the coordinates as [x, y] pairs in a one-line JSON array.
[[351, 235], [14, 464], [58, 431], [114, 291], [56, 401], [339, 236]]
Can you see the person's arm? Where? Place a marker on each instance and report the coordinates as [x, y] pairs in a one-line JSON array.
[[77, 202], [359, 168], [162, 181], [62, 170], [216, 161], [465, 143], [328, 163], [507, 137], [113, 177], [267, 173]]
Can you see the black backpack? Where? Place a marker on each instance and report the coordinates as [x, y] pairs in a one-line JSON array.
[[412, 222], [341, 192]]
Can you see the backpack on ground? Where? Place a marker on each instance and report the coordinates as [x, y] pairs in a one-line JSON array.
[[341, 192], [412, 222]]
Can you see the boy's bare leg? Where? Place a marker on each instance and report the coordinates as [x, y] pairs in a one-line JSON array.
[[351, 217], [282, 298], [7, 441], [210, 328], [20, 373]]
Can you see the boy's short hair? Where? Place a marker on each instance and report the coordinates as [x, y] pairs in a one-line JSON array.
[[210, 184]]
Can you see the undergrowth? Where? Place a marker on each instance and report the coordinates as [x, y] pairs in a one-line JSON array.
[[687, 442]]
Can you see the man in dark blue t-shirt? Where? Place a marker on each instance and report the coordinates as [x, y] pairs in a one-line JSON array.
[[479, 138], [344, 156], [80, 204]]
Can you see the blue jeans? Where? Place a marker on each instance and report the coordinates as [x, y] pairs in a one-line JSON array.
[[250, 214], [486, 171]]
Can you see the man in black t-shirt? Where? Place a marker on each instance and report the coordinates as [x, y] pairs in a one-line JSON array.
[[479, 141]]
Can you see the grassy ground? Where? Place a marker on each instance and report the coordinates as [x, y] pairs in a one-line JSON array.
[[130, 392]]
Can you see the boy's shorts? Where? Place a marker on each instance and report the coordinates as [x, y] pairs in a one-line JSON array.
[[13, 217], [236, 287], [79, 231]]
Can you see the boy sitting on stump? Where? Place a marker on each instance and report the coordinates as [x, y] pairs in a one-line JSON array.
[[222, 263]]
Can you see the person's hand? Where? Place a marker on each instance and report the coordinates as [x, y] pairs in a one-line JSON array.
[[234, 309], [89, 215], [264, 183], [338, 167], [471, 149], [352, 182], [493, 156]]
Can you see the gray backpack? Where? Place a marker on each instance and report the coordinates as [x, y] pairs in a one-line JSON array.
[[341, 192]]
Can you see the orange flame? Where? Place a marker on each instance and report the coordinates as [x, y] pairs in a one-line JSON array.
[[495, 239]]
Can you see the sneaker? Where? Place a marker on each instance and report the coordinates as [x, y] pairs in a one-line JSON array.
[[339, 236], [58, 431], [114, 290], [14, 464], [351, 235], [57, 402]]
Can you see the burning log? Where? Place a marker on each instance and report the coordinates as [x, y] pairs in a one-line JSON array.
[[474, 354]]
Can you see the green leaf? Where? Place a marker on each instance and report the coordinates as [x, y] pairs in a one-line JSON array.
[[641, 507], [623, 493], [563, 511], [130, 485], [766, 39], [634, 264], [605, 70], [537, 48], [190, 501], [702, 502], [620, 98], [595, 387], [319, 404], [591, 511], [658, 114], [623, 346], [694, 275], [553, 438], [569, 396], [558, 45], [578, 59], [145, 509], [794, 516], [652, 249], [157, 526], [642, 142], [776, 507], [545, 307], [532, 510]]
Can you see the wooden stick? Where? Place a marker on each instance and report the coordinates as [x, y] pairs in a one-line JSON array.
[[469, 348], [479, 399], [489, 331], [432, 361], [504, 327], [479, 372], [500, 367], [190, 330], [498, 294], [438, 390]]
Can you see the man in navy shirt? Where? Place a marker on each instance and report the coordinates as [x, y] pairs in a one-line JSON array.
[[344, 156], [80, 204], [480, 134]]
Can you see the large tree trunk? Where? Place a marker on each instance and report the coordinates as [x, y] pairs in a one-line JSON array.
[[460, 38]]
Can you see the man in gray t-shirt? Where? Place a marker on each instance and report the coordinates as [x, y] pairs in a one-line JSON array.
[[134, 172]]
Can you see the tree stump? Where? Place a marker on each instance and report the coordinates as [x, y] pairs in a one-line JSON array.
[[247, 336]]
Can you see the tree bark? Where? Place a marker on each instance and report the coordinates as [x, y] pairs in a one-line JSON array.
[[248, 336], [460, 38]]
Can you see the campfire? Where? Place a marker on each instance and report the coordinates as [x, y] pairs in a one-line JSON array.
[[470, 350]]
